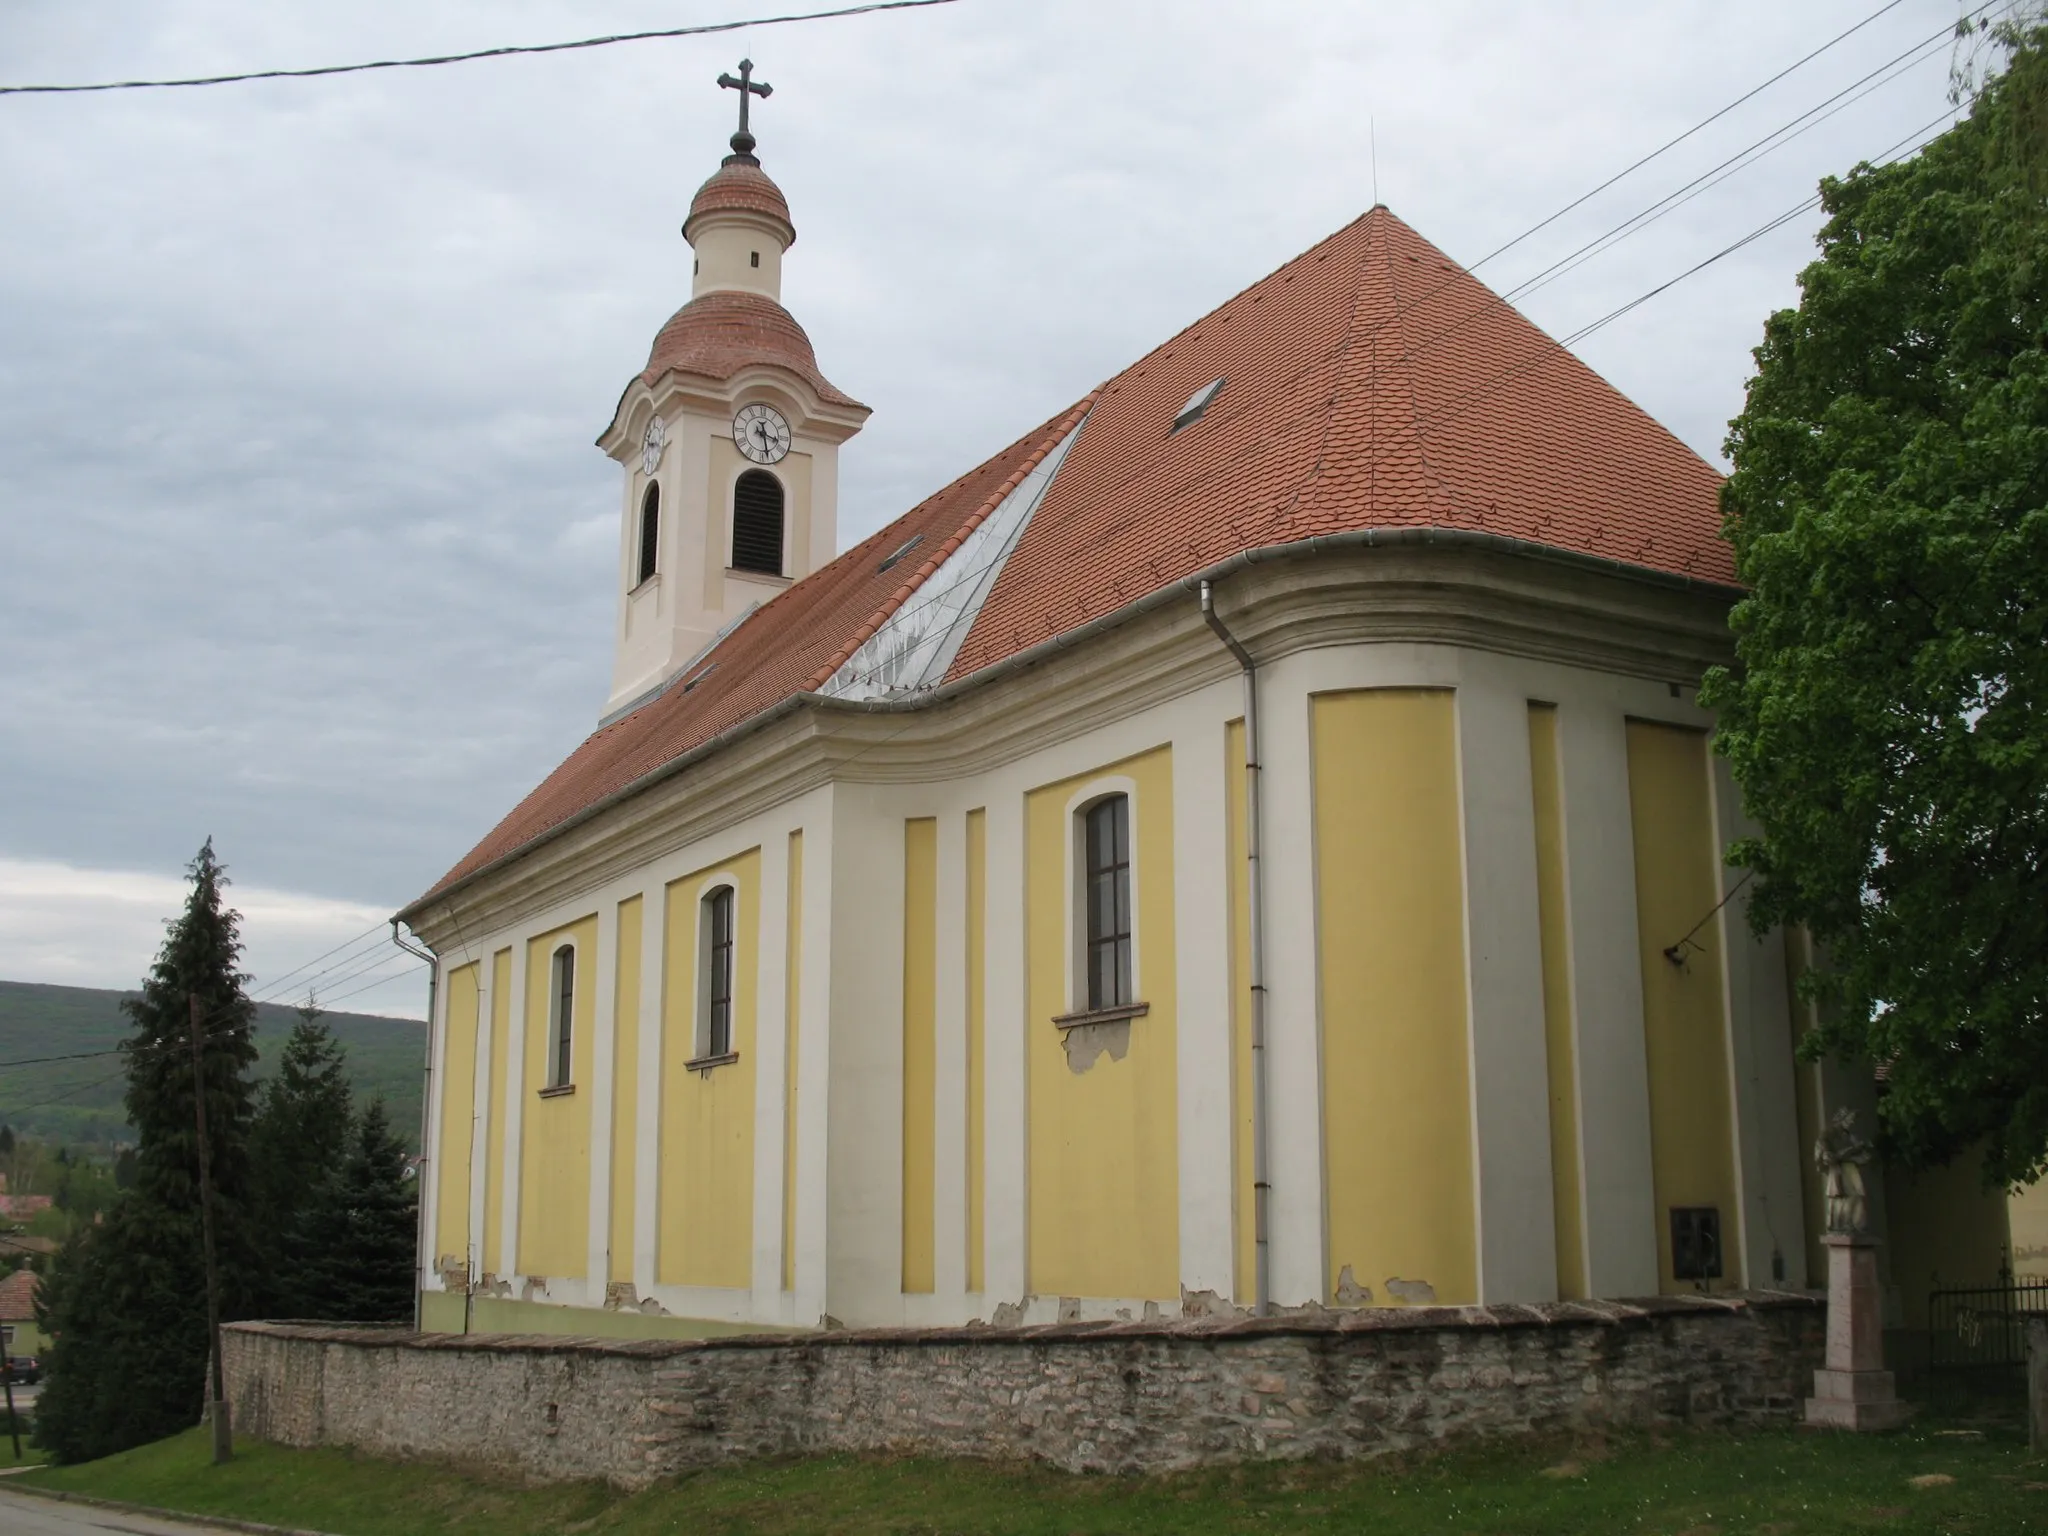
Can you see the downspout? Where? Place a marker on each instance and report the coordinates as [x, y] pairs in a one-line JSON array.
[[419, 1279], [1255, 905]]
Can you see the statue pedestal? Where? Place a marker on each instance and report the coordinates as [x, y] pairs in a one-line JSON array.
[[1855, 1391]]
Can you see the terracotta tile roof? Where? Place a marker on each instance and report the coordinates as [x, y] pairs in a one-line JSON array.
[[717, 334], [18, 1296], [1371, 383], [740, 186]]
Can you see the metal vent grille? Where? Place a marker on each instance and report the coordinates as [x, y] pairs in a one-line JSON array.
[[757, 523]]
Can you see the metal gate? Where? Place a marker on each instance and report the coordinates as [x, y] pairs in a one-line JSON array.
[[1983, 1328]]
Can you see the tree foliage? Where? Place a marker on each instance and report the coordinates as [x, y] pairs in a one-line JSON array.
[[300, 1138], [125, 1303], [1889, 512], [359, 1268]]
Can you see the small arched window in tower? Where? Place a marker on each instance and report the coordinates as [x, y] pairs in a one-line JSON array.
[[650, 529], [757, 523]]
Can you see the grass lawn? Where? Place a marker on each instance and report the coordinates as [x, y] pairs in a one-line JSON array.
[[1942, 1476]]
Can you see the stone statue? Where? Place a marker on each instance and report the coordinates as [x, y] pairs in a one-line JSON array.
[[1841, 1154]]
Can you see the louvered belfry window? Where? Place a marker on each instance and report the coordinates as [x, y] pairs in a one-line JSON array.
[[757, 523], [1108, 843]]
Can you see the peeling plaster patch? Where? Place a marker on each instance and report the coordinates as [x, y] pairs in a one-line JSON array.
[[1306, 1309], [1411, 1293], [453, 1271], [1070, 1309], [535, 1289], [488, 1284], [1198, 1304], [619, 1296], [649, 1307], [830, 1323], [1349, 1292], [1152, 1312], [1083, 1043], [1009, 1314]]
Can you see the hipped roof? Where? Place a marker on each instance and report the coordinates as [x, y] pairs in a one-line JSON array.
[[1369, 383]]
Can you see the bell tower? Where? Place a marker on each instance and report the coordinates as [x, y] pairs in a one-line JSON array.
[[728, 439]]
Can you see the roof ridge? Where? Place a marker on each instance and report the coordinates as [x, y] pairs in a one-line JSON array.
[[932, 562]]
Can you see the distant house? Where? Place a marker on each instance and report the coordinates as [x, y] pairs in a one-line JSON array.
[[21, 1207], [18, 1331]]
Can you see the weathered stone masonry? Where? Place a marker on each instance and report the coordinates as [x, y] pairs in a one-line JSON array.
[[1113, 1397]]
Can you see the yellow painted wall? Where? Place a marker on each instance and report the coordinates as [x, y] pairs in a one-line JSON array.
[[977, 1048], [458, 1118], [1244, 1215], [1103, 1202], [554, 1160], [707, 1118], [1947, 1231], [494, 1110], [920, 1045], [625, 1088], [2027, 1216], [1391, 931], [1685, 1022], [792, 1016], [1559, 1033], [1807, 1108]]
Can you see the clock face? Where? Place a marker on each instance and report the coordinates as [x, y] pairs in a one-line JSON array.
[[760, 433], [650, 445]]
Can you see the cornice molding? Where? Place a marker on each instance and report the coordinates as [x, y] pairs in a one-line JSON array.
[[1478, 594]]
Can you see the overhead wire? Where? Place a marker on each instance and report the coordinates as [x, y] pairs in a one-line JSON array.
[[512, 51]]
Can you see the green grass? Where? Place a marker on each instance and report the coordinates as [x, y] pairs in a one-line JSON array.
[[1780, 1483], [80, 1101]]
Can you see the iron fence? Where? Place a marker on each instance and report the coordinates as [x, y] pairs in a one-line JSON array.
[[1983, 1328]]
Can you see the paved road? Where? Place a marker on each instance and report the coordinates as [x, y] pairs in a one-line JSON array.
[[23, 1514]]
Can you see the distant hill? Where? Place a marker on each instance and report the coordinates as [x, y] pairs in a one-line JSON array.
[[80, 1101]]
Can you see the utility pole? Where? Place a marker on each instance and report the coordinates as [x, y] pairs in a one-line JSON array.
[[223, 1434]]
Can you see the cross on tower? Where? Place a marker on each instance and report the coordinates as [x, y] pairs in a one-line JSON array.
[[746, 85]]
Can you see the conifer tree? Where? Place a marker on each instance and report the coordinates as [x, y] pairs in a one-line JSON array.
[[363, 1229], [125, 1302], [300, 1139]]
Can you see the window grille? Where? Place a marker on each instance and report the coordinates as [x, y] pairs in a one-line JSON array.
[[565, 1014], [717, 929], [1108, 898], [1695, 1242], [757, 523]]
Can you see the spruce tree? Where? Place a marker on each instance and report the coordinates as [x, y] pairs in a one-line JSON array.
[[125, 1302], [362, 1234], [298, 1145]]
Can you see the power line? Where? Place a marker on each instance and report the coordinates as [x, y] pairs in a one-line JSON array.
[[481, 53], [37, 1061]]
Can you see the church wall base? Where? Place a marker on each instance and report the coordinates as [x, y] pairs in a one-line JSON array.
[[1118, 1397]]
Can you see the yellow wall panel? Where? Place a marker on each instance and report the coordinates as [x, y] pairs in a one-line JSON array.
[[1244, 1198], [977, 1047], [1103, 1202], [554, 1160], [792, 1016], [458, 1118], [707, 1116], [494, 1110], [920, 1045], [1685, 1022], [1559, 1032], [1396, 1078], [625, 1089]]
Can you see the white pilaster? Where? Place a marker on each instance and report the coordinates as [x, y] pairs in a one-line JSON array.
[[1202, 879], [481, 1111], [1003, 1119], [515, 1114], [603, 1045], [1504, 959], [647, 1116], [771, 1048], [949, 1119]]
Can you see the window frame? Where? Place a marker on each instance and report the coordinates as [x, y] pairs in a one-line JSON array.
[[707, 1050], [1078, 997], [561, 1041], [732, 526], [648, 553]]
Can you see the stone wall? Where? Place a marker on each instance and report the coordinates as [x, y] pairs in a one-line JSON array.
[[1112, 1397]]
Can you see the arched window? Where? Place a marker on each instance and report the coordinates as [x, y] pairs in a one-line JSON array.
[[650, 529], [561, 1015], [1106, 875], [757, 523], [714, 970]]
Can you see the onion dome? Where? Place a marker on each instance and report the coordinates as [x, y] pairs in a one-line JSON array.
[[718, 334], [740, 186]]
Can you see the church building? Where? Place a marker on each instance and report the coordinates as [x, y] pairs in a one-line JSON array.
[[1251, 843]]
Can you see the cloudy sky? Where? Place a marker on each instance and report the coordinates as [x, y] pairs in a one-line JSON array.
[[306, 545]]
